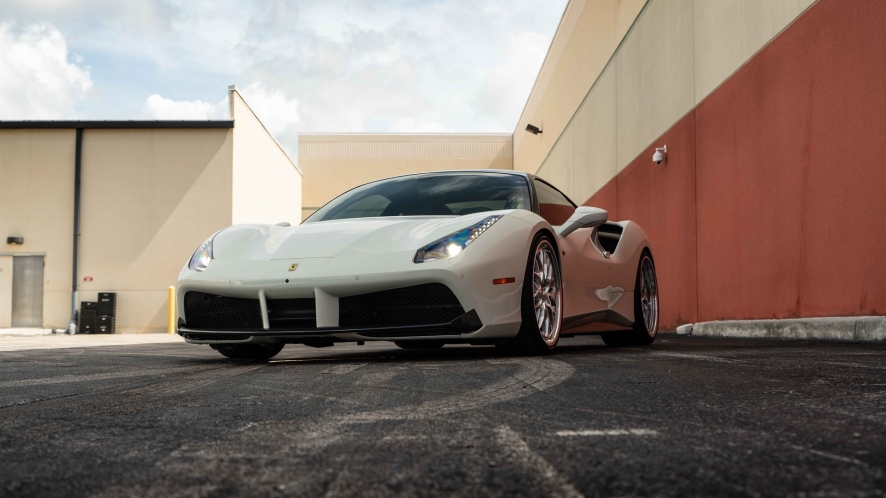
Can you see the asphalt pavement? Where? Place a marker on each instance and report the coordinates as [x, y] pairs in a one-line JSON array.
[[684, 417]]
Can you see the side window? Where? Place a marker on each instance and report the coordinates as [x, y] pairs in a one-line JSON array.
[[555, 207]]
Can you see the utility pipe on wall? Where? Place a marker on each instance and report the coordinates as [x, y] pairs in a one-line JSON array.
[[78, 152]]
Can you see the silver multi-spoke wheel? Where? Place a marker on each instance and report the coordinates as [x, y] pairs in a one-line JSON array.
[[547, 292], [649, 295]]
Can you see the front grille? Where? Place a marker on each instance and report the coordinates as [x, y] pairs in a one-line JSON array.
[[292, 314], [410, 332], [217, 337], [426, 304], [212, 312]]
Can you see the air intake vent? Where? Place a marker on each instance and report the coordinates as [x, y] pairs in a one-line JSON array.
[[426, 304], [292, 314], [211, 312]]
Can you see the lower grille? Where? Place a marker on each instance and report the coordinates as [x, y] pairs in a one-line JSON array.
[[409, 333], [292, 314], [217, 337], [426, 304], [212, 312]]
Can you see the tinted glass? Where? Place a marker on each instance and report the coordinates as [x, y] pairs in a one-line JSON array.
[[429, 195], [555, 207]]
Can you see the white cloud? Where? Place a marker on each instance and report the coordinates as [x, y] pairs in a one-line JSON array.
[[37, 79], [508, 84], [311, 65], [409, 125], [157, 107], [272, 107]]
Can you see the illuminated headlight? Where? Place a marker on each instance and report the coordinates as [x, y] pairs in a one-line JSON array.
[[454, 244], [201, 259]]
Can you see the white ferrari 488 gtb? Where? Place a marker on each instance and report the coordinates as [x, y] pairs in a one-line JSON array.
[[464, 257]]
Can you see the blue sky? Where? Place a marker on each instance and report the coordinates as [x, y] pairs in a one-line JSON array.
[[304, 66]]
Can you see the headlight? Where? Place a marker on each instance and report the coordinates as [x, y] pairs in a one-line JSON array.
[[455, 243], [201, 259]]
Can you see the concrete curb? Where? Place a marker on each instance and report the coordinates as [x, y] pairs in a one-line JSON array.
[[24, 332], [857, 328]]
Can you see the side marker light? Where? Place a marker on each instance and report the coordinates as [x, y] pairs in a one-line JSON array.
[[500, 281]]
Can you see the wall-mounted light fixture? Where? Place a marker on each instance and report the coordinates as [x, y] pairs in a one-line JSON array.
[[535, 130], [16, 241], [661, 153]]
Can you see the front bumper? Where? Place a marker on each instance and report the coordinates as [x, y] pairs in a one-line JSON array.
[[463, 327], [327, 280]]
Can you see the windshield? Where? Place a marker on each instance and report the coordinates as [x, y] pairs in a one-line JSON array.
[[447, 194]]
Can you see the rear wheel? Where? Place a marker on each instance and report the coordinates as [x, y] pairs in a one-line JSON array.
[[419, 344], [645, 327], [542, 302], [249, 351]]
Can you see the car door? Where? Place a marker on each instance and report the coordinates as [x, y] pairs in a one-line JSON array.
[[584, 267]]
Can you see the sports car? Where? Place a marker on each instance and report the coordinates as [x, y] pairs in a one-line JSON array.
[[485, 257]]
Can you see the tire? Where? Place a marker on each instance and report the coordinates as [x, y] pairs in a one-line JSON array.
[[419, 344], [645, 328], [541, 304], [255, 352]]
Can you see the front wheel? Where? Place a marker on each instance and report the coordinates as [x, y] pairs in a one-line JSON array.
[[249, 351], [542, 302], [645, 327]]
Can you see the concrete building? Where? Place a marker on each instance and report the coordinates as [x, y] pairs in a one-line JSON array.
[[150, 193], [770, 201], [337, 162]]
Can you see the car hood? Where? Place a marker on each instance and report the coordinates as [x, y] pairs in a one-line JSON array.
[[328, 239]]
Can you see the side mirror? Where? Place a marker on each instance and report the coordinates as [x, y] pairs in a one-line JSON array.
[[583, 217]]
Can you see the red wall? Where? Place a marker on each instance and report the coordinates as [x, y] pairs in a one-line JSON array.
[[772, 202]]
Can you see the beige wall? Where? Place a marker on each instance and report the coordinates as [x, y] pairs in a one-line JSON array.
[[6, 291], [37, 203], [267, 184], [149, 198], [588, 35], [674, 55], [335, 163]]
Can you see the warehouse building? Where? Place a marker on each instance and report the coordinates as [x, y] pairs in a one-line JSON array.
[[149, 193], [769, 201], [337, 162]]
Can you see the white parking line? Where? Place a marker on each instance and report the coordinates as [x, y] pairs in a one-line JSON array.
[[831, 456], [702, 357], [519, 453], [610, 432]]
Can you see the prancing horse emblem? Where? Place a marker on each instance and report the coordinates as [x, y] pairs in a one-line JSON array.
[[293, 266]]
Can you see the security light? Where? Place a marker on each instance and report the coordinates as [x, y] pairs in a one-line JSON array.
[[660, 154], [16, 241], [535, 130]]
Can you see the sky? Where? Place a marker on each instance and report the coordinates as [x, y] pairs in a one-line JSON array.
[[302, 65]]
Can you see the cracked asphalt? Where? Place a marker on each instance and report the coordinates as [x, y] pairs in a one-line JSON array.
[[683, 417]]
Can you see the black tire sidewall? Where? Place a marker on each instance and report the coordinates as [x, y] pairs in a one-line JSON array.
[[641, 334], [527, 308]]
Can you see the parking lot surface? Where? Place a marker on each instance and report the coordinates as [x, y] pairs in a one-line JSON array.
[[684, 417]]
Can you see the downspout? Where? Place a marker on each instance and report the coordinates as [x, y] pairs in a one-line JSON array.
[[72, 328]]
